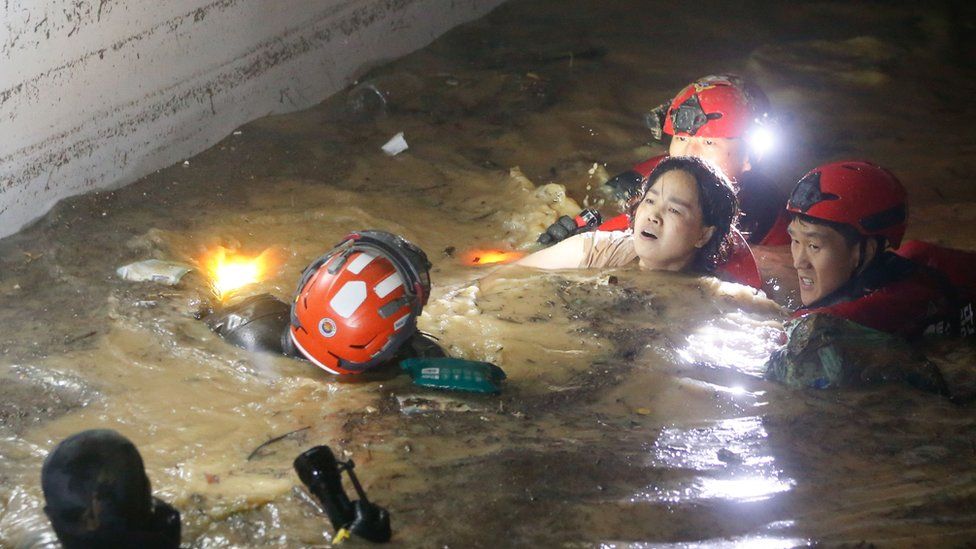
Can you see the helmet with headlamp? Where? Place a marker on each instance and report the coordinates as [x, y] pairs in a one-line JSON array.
[[721, 106], [356, 305]]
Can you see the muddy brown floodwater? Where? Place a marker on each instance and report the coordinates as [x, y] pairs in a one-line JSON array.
[[634, 411]]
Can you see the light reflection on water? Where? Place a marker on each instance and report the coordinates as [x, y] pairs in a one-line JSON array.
[[752, 542], [731, 455], [737, 340], [698, 448], [751, 488]]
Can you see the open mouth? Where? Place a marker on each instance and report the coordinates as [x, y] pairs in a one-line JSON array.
[[648, 235], [806, 282]]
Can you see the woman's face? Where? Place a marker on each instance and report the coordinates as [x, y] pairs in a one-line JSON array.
[[668, 226]]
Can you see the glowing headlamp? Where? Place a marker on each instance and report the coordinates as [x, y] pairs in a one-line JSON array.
[[762, 140]]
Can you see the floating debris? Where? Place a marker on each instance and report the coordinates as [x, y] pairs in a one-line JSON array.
[[154, 270], [414, 404], [396, 145]]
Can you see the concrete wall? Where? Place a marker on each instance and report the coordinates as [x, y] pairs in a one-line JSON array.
[[97, 93]]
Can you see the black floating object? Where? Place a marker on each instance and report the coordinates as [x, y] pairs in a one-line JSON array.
[[255, 323], [319, 470], [97, 495]]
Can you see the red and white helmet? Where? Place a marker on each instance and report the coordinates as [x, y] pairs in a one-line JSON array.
[[722, 105], [867, 197], [356, 305]]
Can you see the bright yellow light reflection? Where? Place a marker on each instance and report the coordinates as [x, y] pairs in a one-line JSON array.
[[230, 271], [489, 257]]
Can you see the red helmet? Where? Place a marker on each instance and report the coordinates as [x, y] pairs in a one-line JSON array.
[[856, 193], [716, 106], [358, 303]]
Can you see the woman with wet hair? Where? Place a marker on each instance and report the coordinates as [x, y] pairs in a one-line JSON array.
[[682, 220]]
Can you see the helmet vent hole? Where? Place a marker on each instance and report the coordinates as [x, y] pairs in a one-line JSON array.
[[364, 345]]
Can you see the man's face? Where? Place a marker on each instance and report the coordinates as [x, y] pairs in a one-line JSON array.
[[822, 259], [668, 226], [730, 155]]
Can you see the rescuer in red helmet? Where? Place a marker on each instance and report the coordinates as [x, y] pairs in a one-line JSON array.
[[355, 308], [714, 118], [722, 119], [846, 218]]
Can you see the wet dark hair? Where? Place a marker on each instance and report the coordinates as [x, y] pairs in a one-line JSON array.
[[97, 494], [718, 202]]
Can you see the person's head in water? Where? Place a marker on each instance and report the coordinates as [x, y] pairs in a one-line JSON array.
[[713, 118], [358, 304], [843, 215], [97, 495], [683, 217]]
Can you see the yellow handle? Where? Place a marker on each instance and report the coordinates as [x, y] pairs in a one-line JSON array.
[[341, 536]]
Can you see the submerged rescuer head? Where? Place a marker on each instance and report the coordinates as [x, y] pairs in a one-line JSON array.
[[356, 305], [722, 119], [682, 222], [354, 309]]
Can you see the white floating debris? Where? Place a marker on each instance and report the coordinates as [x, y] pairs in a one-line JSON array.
[[238, 132], [396, 145], [186, 163], [154, 270]]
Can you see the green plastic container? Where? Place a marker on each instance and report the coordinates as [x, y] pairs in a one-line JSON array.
[[454, 374]]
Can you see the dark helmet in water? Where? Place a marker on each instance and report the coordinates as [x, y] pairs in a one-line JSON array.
[[356, 305], [255, 323]]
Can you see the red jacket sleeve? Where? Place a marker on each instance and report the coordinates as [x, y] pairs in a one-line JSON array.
[[741, 266], [959, 266], [777, 235], [646, 167], [619, 223]]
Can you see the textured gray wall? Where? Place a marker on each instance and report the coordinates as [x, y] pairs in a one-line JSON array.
[[97, 93]]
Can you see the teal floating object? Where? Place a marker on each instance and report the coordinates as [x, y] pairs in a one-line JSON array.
[[454, 374]]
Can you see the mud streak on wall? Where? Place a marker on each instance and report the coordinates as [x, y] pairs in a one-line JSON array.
[[97, 93]]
